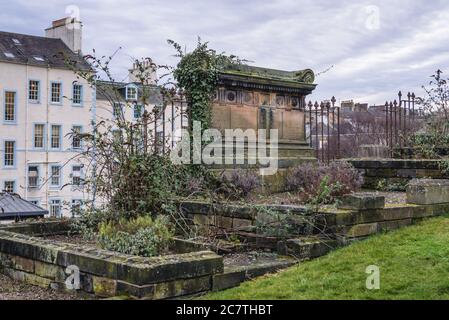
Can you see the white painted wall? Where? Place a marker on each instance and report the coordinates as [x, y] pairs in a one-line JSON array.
[[15, 77]]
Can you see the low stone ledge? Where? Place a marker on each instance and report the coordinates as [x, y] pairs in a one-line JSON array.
[[309, 248], [428, 191], [108, 264], [362, 201], [39, 228]]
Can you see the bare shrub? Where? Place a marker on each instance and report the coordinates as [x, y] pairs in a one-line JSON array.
[[339, 177]]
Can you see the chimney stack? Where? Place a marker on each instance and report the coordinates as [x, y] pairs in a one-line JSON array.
[[69, 30], [149, 72]]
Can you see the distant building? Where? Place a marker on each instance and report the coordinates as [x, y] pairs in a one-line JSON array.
[[43, 101]]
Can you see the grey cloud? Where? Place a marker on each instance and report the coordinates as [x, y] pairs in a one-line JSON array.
[[369, 65]]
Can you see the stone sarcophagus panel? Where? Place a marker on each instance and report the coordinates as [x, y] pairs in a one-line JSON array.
[[257, 98]]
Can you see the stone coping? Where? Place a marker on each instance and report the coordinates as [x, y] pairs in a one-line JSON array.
[[39, 228], [370, 163], [131, 269], [235, 210]]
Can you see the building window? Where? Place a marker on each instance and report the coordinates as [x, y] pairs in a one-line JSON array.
[[55, 180], [117, 135], [56, 92], [76, 207], [184, 121], [137, 111], [33, 176], [131, 93], [9, 186], [39, 136], [77, 179], [117, 109], [160, 141], [55, 208], [76, 137], [77, 94], [35, 202], [9, 160], [10, 106], [56, 137], [33, 91]]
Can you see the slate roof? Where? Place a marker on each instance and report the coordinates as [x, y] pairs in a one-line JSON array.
[[26, 48], [107, 90], [13, 206]]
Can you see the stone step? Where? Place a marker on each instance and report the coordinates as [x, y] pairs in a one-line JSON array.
[[234, 275], [307, 247]]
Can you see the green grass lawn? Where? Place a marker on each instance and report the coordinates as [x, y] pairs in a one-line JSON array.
[[413, 262]]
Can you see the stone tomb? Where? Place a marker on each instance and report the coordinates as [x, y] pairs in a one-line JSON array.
[[258, 98]]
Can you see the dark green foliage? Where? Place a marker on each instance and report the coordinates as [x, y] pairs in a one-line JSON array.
[[197, 76], [142, 236], [432, 140]]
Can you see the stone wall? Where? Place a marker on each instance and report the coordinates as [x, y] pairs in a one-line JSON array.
[[104, 273], [396, 173], [359, 216]]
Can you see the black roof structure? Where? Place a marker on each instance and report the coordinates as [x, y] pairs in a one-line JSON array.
[[38, 51], [108, 90], [12, 206]]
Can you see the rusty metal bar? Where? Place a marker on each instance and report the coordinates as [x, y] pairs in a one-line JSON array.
[[386, 123], [316, 130], [338, 133], [328, 133], [155, 129], [322, 131], [164, 106], [172, 124], [396, 132], [391, 128], [182, 113], [333, 130], [310, 105]]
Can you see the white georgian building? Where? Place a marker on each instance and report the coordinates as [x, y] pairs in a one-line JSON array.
[[41, 102]]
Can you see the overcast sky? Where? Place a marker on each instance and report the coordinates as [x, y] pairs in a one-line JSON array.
[[373, 48]]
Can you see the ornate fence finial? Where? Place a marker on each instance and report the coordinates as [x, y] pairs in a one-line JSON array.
[[333, 100]]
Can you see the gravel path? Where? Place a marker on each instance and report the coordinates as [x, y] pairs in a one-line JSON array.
[[14, 290]]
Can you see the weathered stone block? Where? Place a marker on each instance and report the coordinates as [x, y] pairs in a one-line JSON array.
[[50, 271], [23, 264], [309, 248], [223, 222], [181, 287], [202, 220], [36, 280], [362, 230], [427, 191], [362, 201], [171, 267], [104, 287], [228, 279], [393, 225], [241, 224], [128, 289]]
